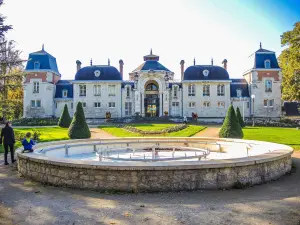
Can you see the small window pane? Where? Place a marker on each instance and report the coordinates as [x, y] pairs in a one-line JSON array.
[[83, 104], [32, 103], [38, 103], [265, 103]]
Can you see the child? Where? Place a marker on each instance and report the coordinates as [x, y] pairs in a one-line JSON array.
[[28, 143]]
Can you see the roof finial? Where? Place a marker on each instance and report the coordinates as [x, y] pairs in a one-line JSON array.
[[194, 61], [43, 47], [91, 63], [212, 61], [108, 61], [260, 45], [151, 51]]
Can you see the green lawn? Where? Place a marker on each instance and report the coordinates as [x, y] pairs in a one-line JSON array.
[[287, 136], [47, 134], [119, 132]]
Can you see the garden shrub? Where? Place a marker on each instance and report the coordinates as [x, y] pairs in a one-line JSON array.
[[239, 117], [79, 128], [231, 127], [65, 119]]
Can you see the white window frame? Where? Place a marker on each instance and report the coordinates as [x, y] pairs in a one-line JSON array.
[[192, 104], [206, 90], [266, 101], [221, 104], [191, 90], [97, 90], [221, 90], [111, 90], [239, 93], [269, 101], [175, 91], [267, 61], [36, 87], [206, 104], [97, 104], [82, 90], [175, 109], [128, 91], [128, 108], [268, 82], [111, 105], [83, 104], [64, 93], [35, 104]]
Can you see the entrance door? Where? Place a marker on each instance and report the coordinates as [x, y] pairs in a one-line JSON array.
[[151, 105]]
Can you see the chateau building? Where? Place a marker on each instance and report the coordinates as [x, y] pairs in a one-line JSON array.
[[151, 91]]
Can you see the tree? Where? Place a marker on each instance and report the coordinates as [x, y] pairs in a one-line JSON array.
[[289, 61], [231, 127], [3, 28], [239, 117], [79, 128], [65, 119], [11, 79]]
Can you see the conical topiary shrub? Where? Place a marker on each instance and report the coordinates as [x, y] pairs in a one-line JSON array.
[[239, 117], [79, 128], [231, 127], [65, 119]]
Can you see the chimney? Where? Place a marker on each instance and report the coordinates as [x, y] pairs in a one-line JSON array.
[[225, 64], [212, 61], [182, 69], [121, 63], [78, 65]]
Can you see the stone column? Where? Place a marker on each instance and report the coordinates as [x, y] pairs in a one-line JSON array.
[[142, 106], [161, 104]]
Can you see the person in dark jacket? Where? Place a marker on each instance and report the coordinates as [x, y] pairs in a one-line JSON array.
[[8, 140], [28, 143]]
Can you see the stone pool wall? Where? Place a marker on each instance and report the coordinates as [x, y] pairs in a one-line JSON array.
[[161, 177]]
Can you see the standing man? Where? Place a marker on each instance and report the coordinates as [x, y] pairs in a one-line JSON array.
[[8, 138]]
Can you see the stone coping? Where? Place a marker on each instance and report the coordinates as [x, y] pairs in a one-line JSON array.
[[282, 152]]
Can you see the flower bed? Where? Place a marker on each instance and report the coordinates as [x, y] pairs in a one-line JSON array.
[[271, 123], [150, 132]]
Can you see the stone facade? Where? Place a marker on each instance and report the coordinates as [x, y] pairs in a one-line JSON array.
[[170, 97], [96, 178]]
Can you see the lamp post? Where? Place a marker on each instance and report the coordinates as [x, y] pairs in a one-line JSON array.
[[253, 97]]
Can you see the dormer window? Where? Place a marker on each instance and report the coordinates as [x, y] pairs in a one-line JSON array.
[[239, 93], [267, 64], [36, 65], [65, 93]]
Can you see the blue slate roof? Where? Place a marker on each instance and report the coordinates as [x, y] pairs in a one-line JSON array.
[[235, 86], [63, 85], [106, 73], [127, 82], [47, 62], [196, 73], [239, 80], [175, 83], [261, 56], [151, 65]]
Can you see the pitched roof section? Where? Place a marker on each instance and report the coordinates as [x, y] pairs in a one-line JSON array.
[[46, 62], [99, 72], [205, 72], [151, 65], [63, 85], [260, 58], [236, 86]]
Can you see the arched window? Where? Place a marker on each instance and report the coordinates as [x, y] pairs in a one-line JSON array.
[[65, 93], [239, 93], [151, 87], [191, 90], [36, 65], [206, 90], [221, 89], [267, 64]]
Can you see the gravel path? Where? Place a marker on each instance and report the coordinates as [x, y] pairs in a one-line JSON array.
[[209, 131], [97, 133], [26, 202]]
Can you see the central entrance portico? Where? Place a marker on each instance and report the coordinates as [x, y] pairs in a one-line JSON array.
[[151, 101]]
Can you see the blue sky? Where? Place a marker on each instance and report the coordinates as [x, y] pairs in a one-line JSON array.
[[174, 29]]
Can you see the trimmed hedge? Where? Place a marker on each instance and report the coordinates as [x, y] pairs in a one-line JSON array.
[[35, 122], [231, 127], [239, 117], [65, 119], [79, 128]]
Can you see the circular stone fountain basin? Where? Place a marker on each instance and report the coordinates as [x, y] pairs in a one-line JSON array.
[[156, 164]]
